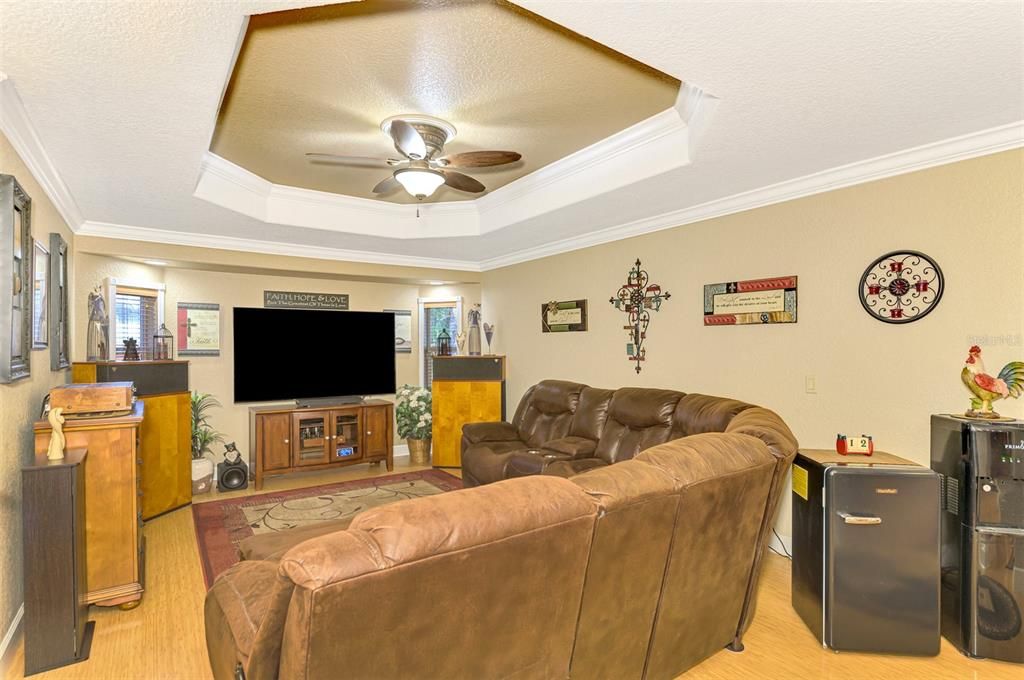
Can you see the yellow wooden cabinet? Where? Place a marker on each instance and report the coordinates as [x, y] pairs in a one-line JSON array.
[[465, 390]]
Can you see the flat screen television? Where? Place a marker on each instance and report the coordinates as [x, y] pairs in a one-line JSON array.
[[306, 354]]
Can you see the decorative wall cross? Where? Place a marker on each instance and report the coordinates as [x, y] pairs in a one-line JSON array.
[[636, 298]]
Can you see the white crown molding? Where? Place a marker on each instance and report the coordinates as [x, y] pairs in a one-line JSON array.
[[651, 147], [984, 142], [180, 238], [16, 126], [231, 186]]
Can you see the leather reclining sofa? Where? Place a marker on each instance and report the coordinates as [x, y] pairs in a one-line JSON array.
[[564, 428], [639, 569]]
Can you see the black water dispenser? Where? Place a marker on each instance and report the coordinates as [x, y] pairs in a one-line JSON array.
[[982, 468]]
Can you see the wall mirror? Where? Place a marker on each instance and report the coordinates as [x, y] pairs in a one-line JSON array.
[[60, 353], [15, 280]]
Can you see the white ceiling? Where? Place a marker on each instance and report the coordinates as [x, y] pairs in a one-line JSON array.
[[123, 96]]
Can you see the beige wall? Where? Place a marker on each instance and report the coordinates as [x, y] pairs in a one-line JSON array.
[[216, 374], [20, 403], [872, 377]]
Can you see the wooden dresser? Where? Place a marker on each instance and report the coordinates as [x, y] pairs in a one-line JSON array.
[[465, 390], [166, 432], [115, 549], [286, 439]]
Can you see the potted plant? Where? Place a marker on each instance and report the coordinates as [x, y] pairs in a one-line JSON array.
[[203, 438], [414, 421]]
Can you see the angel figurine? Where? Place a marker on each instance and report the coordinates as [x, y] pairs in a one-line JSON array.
[[57, 438], [99, 324]]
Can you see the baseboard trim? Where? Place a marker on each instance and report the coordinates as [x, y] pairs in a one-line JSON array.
[[6, 646], [401, 450]]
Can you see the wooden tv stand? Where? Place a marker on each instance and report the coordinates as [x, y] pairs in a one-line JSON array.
[[287, 439]]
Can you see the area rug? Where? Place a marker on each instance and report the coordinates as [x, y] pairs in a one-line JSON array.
[[222, 525]]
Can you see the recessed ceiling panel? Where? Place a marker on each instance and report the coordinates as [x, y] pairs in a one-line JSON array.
[[322, 80]]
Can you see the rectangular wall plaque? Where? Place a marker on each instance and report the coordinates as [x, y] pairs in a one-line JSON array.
[[563, 317], [198, 329], [750, 302], [403, 330], [295, 300]]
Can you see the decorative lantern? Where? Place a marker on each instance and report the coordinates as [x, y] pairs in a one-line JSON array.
[[163, 344], [444, 343]]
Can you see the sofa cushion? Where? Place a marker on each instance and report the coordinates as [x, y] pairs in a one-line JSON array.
[[574, 447], [549, 412], [638, 418], [700, 413], [591, 414]]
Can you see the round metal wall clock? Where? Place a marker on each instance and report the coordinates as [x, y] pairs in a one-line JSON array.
[[901, 286]]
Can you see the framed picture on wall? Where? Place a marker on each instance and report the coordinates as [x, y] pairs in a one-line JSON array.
[[40, 301], [15, 280], [403, 330], [60, 352], [198, 329]]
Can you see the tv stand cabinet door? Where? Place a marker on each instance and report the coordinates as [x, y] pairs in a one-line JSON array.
[[274, 441], [375, 431], [311, 438]]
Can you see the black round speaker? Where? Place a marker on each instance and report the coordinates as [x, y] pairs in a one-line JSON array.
[[232, 475]]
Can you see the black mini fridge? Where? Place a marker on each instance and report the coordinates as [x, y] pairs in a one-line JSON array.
[[982, 468], [866, 552]]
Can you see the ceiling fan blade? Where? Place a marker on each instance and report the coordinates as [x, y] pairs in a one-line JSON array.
[[361, 161], [407, 140], [456, 180], [386, 185], [479, 159]]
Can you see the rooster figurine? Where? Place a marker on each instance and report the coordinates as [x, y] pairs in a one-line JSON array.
[[985, 388]]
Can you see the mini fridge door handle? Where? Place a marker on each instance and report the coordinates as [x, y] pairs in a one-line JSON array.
[[859, 519]]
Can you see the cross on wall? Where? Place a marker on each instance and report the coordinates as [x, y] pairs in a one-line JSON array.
[[636, 298]]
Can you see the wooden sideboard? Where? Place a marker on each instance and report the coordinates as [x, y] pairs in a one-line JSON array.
[[465, 389], [115, 549], [289, 439], [166, 432]]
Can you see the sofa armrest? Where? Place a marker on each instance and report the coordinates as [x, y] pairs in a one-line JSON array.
[[244, 614], [574, 447], [476, 433]]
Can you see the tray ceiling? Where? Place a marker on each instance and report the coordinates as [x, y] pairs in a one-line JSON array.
[[322, 79], [113, 105]]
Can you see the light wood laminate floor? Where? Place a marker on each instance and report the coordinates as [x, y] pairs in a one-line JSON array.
[[163, 637]]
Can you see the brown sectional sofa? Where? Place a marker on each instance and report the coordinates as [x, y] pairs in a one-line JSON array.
[[635, 570], [565, 428]]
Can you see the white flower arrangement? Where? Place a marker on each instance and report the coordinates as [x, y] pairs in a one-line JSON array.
[[413, 412]]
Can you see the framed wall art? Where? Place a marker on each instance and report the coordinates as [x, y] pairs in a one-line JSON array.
[[15, 280], [60, 350], [901, 287], [198, 329], [563, 317], [40, 303], [757, 301], [403, 330]]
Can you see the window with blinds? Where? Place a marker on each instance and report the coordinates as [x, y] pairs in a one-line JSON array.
[[135, 316], [437, 316]]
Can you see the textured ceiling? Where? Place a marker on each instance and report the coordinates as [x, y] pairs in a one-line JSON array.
[[124, 96], [322, 80]]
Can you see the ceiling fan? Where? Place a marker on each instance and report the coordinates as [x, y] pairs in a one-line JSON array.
[[422, 169]]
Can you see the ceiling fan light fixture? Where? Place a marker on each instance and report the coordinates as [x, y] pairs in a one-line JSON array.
[[419, 182]]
